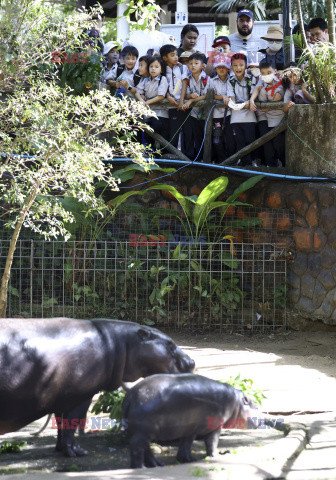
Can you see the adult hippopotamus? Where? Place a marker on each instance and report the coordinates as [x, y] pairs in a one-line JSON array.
[[57, 365], [182, 407]]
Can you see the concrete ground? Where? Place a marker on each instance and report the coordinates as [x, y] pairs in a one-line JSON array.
[[297, 373]]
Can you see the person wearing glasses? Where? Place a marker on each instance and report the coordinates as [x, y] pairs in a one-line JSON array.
[[245, 41]]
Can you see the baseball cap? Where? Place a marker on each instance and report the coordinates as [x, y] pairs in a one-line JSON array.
[[108, 46], [221, 39], [185, 55], [246, 12], [222, 64]]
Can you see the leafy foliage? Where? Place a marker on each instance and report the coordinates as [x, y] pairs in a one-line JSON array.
[[320, 71], [83, 75], [246, 386], [11, 447], [146, 13]]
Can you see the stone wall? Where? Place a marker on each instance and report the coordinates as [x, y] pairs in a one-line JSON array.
[[306, 223]]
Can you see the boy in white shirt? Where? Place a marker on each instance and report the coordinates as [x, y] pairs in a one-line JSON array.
[[122, 76], [197, 87], [222, 134], [270, 89], [243, 120], [175, 75]]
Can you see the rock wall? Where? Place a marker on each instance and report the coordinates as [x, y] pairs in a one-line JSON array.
[[306, 223]]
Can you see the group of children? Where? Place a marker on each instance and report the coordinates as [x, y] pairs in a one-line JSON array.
[[237, 81]]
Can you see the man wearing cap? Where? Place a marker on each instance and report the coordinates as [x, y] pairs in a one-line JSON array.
[[274, 53], [245, 41]]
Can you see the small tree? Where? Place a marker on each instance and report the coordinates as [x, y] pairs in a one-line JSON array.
[[62, 131]]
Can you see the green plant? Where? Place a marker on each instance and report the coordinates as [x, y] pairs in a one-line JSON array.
[[246, 386], [320, 71], [11, 447], [146, 13], [197, 210], [111, 402], [82, 75]]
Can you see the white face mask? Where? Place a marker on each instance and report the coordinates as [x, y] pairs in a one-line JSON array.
[[274, 46], [268, 78], [255, 71]]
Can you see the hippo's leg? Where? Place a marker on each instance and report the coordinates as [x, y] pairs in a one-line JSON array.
[[138, 445], [184, 453], [65, 435], [211, 442], [150, 460]]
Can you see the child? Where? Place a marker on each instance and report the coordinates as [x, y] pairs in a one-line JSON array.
[[184, 58], [221, 46], [152, 90], [242, 120], [222, 140], [141, 73], [111, 55], [296, 91], [175, 75], [123, 75], [197, 87], [270, 89], [253, 61]]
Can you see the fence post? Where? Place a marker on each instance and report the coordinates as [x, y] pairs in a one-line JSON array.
[[210, 101]]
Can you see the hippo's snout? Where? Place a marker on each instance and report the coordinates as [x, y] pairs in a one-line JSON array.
[[185, 363]]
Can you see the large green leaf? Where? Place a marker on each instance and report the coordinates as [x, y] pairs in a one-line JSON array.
[[244, 186], [183, 201], [117, 201], [206, 197]]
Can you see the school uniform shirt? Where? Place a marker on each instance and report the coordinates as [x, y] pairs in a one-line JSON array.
[[241, 92], [125, 75], [200, 86], [266, 94], [220, 88], [150, 88], [174, 76], [251, 43], [261, 116], [291, 92]]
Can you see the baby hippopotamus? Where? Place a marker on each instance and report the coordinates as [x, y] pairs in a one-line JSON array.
[[182, 407]]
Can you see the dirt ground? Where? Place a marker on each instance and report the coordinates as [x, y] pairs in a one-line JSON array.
[[296, 371]]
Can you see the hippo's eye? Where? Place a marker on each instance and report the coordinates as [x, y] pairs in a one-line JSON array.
[[246, 400]]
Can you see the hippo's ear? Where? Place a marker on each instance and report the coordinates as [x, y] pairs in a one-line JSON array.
[[144, 334]]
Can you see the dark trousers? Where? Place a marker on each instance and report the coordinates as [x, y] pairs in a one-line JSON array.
[[198, 134], [274, 150], [262, 129], [160, 125], [244, 134], [226, 147], [178, 118]]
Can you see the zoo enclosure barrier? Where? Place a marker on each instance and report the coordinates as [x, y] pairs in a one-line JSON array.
[[230, 287], [207, 107]]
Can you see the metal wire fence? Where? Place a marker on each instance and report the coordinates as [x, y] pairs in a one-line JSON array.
[[233, 287]]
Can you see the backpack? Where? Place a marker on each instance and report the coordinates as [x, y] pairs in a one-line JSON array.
[[204, 80], [234, 81]]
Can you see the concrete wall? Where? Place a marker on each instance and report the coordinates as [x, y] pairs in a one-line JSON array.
[[310, 237], [316, 126]]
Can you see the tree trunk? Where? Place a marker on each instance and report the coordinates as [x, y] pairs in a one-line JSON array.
[[12, 246], [331, 21]]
